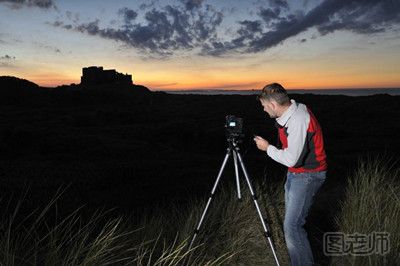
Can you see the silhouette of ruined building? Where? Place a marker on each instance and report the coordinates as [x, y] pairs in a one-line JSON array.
[[94, 75]]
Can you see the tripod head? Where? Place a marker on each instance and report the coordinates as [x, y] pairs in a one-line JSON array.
[[233, 141]]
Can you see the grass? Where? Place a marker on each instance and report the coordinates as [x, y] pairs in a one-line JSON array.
[[231, 233], [372, 204]]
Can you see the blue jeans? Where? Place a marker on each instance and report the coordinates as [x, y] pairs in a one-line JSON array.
[[299, 192]]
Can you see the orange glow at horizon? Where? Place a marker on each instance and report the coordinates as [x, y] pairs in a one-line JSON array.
[[162, 76], [51, 81], [294, 82]]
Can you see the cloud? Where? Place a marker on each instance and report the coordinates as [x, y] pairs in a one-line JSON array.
[[7, 61], [193, 25], [192, 4], [48, 48], [148, 5], [232, 86], [16, 4], [161, 85], [128, 14], [278, 4], [162, 32], [75, 17], [268, 15], [7, 57], [358, 16]]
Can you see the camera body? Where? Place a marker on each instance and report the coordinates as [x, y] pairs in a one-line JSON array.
[[234, 126]]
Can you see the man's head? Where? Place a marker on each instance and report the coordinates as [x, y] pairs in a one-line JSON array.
[[274, 99]]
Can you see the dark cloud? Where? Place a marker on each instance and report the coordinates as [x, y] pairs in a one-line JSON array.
[[148, 5], [60, 24], [269, 14], [7, 61], [359, 16], [163, 31], [44, 4], [7, 57], [195, 25], [128, 14], [192, 4], [370, 17], [278, 4]]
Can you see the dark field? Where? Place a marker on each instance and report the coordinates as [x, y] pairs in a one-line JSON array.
[[130, 149], [118, 148]]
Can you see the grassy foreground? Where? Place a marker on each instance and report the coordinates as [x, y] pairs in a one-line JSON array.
[[372, 205], [231, 233]]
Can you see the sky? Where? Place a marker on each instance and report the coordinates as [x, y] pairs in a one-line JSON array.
[[205, 44]]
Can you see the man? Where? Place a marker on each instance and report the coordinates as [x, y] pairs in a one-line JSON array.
[[303, 153]]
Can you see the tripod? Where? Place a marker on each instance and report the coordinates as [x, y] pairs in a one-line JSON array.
[[234, 150]]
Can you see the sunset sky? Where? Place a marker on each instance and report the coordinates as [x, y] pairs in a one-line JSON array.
[[205, 44]]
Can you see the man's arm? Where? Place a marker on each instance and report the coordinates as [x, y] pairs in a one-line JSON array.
[[297, 133]]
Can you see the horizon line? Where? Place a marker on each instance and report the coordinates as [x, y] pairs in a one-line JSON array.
[[291, 89], [222, 88]]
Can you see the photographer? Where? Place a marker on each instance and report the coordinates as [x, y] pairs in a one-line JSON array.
[[303, 153]]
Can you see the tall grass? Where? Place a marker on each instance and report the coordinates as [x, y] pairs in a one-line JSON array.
[[231, 234], [372, 204], [233, 228]]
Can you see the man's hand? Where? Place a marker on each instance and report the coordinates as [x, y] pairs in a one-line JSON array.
[[261, 143]]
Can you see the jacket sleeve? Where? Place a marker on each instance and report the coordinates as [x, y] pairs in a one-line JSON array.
[[297, 134]]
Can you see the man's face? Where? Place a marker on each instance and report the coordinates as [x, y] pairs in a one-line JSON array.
[[269, 108]]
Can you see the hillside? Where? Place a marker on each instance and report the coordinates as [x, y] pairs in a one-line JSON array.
[[124, 149]]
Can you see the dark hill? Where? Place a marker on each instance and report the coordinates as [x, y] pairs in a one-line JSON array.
[[15, 86], [116, 88], [126, 149], [16, 91], [11, 82], [141, 88]]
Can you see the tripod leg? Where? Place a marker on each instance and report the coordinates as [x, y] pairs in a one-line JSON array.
[[237, 175], [263, 221], [228, 153]]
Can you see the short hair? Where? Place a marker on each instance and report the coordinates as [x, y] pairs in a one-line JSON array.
[[276, 92]]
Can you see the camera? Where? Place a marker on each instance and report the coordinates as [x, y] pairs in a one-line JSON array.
[[234, 126]]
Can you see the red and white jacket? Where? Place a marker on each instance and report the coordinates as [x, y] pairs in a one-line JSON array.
[[302, 142]]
